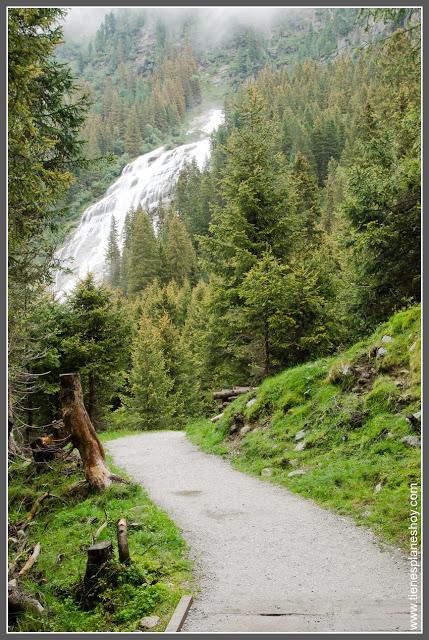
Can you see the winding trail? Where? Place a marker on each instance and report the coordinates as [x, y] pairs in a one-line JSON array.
[[266, 559]]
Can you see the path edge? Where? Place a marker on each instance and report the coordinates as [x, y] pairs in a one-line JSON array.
[[179, 614]]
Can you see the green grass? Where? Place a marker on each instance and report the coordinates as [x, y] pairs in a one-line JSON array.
[[353, 437], [160, 572]]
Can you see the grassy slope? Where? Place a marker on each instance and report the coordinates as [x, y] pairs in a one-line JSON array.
[[153, 584], [353, 438]]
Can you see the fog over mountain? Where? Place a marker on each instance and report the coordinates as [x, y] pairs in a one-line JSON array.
[[83, 21]]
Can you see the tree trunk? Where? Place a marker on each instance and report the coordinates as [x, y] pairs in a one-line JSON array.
[[124, 553], [10, 423], [83, 434], [91, 399], [98, 555]]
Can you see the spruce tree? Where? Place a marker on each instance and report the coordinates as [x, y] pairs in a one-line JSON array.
[[150, 384], [113, 255], [179, 259], [144, 261], [307, 200]]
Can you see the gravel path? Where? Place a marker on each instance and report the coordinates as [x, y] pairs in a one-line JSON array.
[[266, 559]]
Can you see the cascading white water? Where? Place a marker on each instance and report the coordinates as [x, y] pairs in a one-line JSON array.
[[143, 182]]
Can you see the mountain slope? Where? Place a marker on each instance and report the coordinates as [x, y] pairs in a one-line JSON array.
[[339, 430]]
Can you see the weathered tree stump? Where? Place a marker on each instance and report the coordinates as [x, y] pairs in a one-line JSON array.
[[83, 435], [124, 553], [98, 555]]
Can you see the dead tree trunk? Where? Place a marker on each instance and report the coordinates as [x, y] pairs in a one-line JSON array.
[[83, 434], [124, 553]]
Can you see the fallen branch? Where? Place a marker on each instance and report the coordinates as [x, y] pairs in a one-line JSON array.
[[99, 530], [31, 560], [216, 418]]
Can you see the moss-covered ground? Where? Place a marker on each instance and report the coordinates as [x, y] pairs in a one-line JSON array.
[[353, 409], [152, 584]]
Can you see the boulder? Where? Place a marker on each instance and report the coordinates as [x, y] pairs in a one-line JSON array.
[[149, 622], [250, 402], [267, 472], [412, 441], [245, 430], [300, 446], [386, 339], [300, 435], [297, 472], [381, 352]]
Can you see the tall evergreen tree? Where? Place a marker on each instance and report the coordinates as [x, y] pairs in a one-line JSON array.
[[144, 260], [113, 255], [150, 384]]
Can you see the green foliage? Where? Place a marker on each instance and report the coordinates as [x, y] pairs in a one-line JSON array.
[[353, 437], [113, 256], [150, 383], [45, 115], [144, 258], [151, 585]]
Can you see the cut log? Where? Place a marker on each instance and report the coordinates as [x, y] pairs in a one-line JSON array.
[[83, 435], [98, 555], [124, 553], [232, 393], [216, 418]]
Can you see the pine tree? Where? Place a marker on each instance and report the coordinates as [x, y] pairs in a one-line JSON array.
[[150, 384], [179, 259], [307, 200], [95, 342], [144, 261], [113, 256], [133, 138], [178, 366]]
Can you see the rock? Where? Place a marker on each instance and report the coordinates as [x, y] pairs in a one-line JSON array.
[[345, 369], [381, 352], [367, 513], [412, 441], [251, 402], [267, 472], [234, 428], [415, 420], [378, 487], [244, 430], [149, 622], [300, 446], [386, 339], [297, 472], [418, 415], [300, 435]]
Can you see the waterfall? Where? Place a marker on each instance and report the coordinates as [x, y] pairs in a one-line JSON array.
[[144, 182]]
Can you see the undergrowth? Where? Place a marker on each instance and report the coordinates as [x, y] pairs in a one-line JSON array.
[[352, 409], [152, 584]]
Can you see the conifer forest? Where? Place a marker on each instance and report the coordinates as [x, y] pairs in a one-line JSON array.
[[214, 229]]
